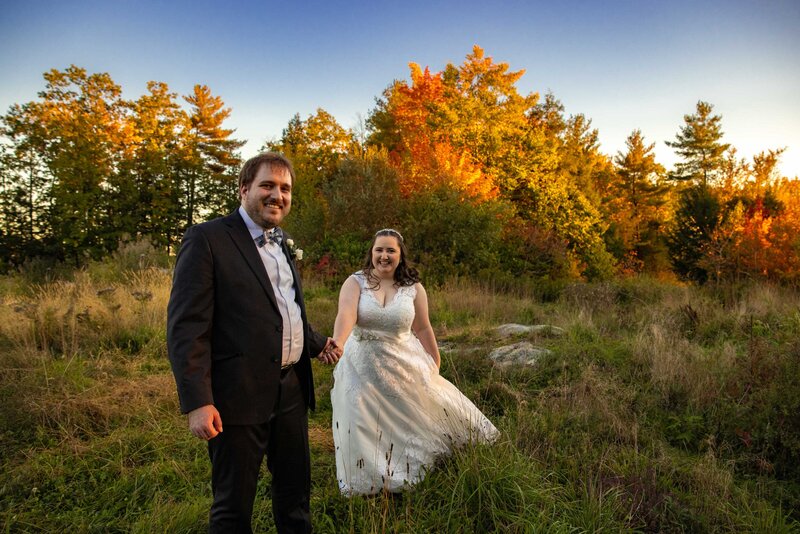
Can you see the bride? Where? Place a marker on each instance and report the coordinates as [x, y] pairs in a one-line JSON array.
[[393, 415]]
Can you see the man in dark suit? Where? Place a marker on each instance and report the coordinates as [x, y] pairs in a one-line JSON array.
[[240, 347]]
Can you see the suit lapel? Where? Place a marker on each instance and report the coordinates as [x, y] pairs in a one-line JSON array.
[[244, 242]]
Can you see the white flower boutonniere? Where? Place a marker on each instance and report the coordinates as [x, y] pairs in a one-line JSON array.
[[297, 253]]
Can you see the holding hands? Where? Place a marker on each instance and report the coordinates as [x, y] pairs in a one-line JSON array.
[[205, 422], [331, 353]]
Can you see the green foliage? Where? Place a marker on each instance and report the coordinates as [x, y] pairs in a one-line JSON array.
[[363, 195], [142, 168], [696, 218], [531, 251], [698, 144], [316, 146], [150, 167], [636, 197], [450, 237]]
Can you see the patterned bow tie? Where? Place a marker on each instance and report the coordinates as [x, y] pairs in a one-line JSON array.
[[270, 236], [275, 236]]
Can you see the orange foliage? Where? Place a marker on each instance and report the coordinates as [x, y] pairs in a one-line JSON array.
[[784, 253], [765, 242], [755, 241], [425, 152]]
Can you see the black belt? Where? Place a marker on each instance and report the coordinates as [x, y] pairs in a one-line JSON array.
[[286, 368]]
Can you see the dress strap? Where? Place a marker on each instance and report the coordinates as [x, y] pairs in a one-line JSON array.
[[411, 291], [361, 279]]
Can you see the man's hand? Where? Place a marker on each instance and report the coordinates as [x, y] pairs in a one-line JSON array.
[[205, 422], [331, 353]]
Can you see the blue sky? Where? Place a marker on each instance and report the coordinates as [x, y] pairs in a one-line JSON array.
[[624, 64]]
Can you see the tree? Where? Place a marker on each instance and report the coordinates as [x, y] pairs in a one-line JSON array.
[[558, 173], [76, 129], [765, 167], [80, 168], [210, 179], [636, 198], [698, 143], [581, 161], [148, 201], [698, 214], [408, 123], [733, 177], [469, 129], [316, 146], [24, 183]]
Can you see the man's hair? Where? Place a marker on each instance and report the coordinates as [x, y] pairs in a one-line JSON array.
[[252, 165]]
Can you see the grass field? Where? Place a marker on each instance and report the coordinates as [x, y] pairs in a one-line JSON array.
[[663, 408]]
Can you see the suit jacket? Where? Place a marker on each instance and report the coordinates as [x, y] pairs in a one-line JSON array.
[[224, 329]]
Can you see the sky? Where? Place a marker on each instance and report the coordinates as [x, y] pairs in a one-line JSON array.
[[634, 64]]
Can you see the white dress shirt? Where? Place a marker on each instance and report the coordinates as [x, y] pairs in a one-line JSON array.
[[280, 276]]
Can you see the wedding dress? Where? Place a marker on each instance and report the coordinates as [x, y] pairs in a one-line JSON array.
[[393, 415]]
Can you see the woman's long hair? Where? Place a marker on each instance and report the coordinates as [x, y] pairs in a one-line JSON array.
[[404, 275]]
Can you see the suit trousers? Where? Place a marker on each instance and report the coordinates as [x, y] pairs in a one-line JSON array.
[[236, 456]]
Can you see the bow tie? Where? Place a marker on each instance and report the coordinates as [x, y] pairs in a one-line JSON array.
[[270, 236]]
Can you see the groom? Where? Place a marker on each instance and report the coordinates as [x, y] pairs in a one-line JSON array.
[[240, 347]]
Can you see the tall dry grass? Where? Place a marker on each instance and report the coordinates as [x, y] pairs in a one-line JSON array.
[[661, 408]]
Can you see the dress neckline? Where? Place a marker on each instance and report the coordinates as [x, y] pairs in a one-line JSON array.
[[386, 303], [366, 289]]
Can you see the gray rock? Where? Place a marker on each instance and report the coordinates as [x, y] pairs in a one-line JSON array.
[[523, 353], [547, 330], [513, 329]]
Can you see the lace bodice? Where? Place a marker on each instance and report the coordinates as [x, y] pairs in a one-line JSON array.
[[392, 320]]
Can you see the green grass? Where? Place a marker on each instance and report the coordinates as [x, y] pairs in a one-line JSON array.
[[662, 408]]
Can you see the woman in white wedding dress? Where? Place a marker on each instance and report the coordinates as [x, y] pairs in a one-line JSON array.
[[393, 415]]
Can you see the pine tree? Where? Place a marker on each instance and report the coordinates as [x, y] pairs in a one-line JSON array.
[[699, 145], [148, 200], [697, 217], [77, 125], [636, 198], [24, 184], [210, 179]]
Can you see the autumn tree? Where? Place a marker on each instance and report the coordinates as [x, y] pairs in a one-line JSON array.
[[558, 176], [78, 122], [784, 251], [734, 175], [753, 224], [765, 167], [210, 179], [468, 128], [407, 122], [81, 168], [454, 127], [315, 145]]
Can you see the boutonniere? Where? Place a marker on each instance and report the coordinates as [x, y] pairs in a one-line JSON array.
[[294, 251]]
